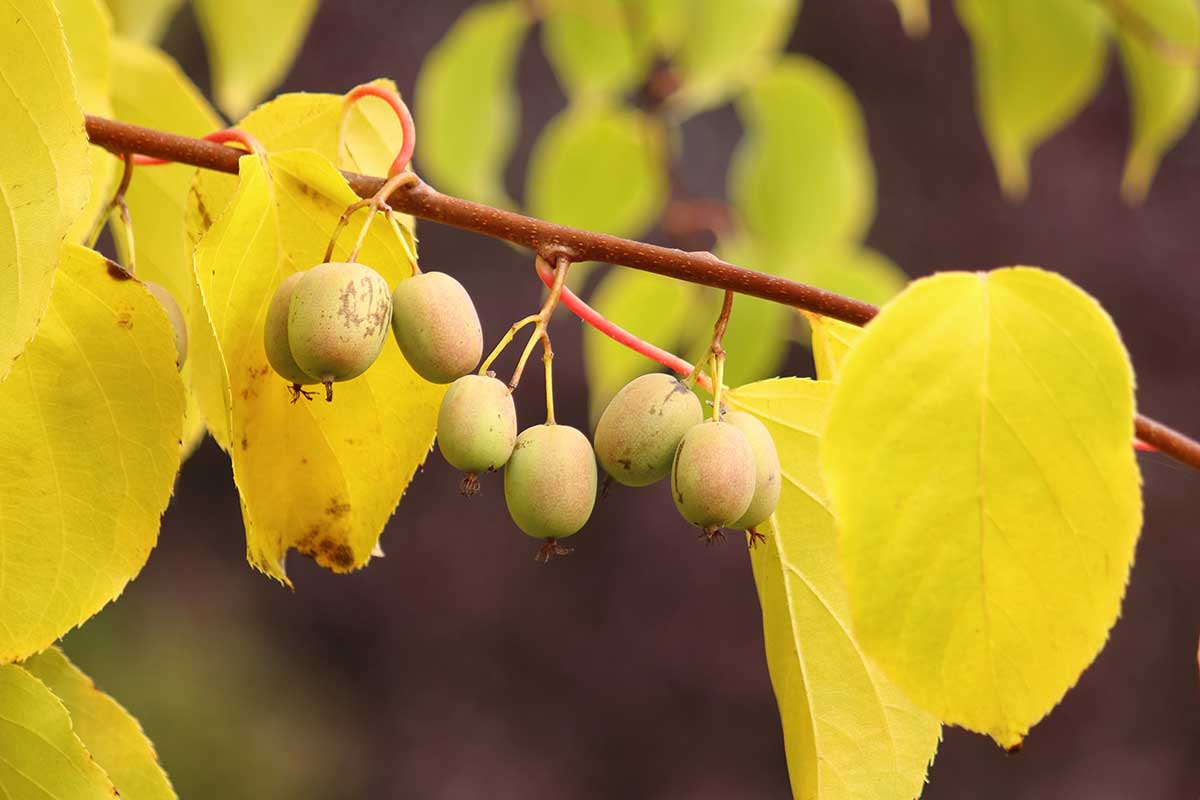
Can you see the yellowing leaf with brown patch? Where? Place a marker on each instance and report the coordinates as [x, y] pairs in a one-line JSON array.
[[90, 419], [319, 477]]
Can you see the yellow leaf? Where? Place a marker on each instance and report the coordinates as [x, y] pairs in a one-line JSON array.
[[40, 757], [319, 477], [1164, 93], [289, 121], [154, 92], [1037, 62], [831, 342], [978, 455], [143, 20], [88, 29], [467, 109], [110, 733], [251, 46], [848, 731], [89, 445], [44, 166]]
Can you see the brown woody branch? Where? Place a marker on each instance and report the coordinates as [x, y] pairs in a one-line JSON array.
[[421, 200]]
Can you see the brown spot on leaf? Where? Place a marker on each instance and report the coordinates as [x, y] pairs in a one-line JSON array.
[[245, 443], [125, 320], [342, 556], [116, 271], [337, 509]]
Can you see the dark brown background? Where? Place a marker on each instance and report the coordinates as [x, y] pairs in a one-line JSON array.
[[458, 668]]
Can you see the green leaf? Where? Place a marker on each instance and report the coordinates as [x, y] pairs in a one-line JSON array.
[[1165, 93], [664, 23], [155, 93], [143, 20], [727, 45], [308, 472], [44, 166], [251, 46], [595, 46], [1037, 63], [90, 422], [847, 730], [857, 272], [467, 110], [978, 455], [657, 309], [88, 30], [831, 342], [802, 179], [111, 735], [40, 757], [914, 16], [598, 168]]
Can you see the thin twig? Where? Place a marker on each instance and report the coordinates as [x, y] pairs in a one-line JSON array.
[[421, 200]]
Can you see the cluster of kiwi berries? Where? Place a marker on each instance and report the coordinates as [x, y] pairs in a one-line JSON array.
[[724, 471], [329, 324]]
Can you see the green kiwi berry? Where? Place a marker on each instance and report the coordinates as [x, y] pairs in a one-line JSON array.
[[338, 320], [275, 334], [712, 478], [550, 483], [175, 315], [642, 426], [436, 326], [768, 480], [476, 427]]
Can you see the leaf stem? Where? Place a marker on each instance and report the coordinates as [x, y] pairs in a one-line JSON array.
[[407, 128]]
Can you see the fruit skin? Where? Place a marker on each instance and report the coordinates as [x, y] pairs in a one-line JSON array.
[[712, 478], [175, 315], [275, 334], [550, 481], [768, 480], [436, 326], [338, 320], [477, 424], [642, 426]]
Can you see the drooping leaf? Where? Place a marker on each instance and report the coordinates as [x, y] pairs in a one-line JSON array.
[[40, 757], [600, 168], [309, 473], [831, 343], [251, 46], [90, 422], [1037, 63], [143, 20], [155, 93], [44, 166], [849, 733], [109, 733], [1165, 92], [467, 111], [802, 179], [595, 46], [914, 16], [88, 30], [978, 456], [657, 309], [726, 45]]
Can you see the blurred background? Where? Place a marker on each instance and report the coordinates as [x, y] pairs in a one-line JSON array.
[[457, 667]]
